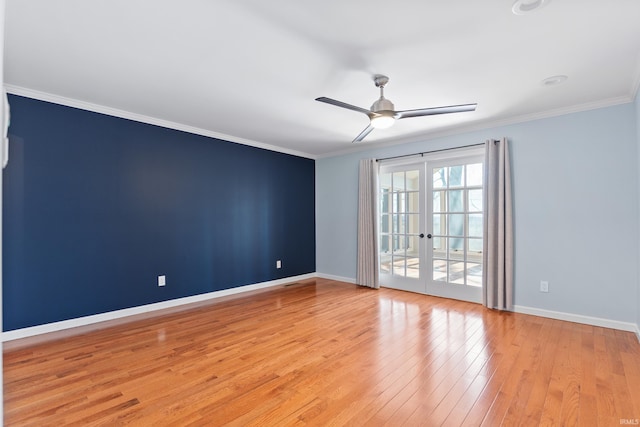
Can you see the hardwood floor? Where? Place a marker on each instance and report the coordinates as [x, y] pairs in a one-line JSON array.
[[321, 352]]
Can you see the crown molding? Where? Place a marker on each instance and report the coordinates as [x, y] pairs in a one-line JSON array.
[[635, 84], [96, 108], [454, 130], [483, 125]]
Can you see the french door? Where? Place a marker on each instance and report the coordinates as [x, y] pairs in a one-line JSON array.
[[431, 226], [402, 225]]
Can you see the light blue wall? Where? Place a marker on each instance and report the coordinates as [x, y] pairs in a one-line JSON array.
[[576, 200]]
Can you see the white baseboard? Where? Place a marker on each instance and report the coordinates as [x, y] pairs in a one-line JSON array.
[[577, 318], [336, 278], [91, 322], [94, 321]]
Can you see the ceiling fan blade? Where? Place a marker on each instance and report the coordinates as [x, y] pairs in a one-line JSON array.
[[363, 134], [343, 105], [436, 110]]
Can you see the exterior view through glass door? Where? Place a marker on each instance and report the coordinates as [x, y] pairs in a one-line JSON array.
[[401, 221], [431, 226]]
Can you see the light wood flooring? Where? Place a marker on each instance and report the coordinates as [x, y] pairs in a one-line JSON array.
[[321, 352]]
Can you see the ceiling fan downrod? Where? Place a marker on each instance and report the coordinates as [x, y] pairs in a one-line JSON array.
[[382, 104]]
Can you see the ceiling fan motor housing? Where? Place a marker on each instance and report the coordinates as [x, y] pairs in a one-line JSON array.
[[384, 115], [382, 104]]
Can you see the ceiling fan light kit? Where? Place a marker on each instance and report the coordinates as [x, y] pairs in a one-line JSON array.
[[383, 120], [383, 114]]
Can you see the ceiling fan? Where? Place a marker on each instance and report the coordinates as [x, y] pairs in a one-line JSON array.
[[382, 115]]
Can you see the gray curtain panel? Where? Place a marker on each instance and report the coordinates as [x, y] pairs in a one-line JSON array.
[[497, 271], [367, 274]]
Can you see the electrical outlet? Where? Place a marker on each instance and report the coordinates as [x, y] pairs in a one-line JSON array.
[[544, 286], [162, 280], [278, 264]]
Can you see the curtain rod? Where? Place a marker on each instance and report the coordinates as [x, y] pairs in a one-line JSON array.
[[429, 152]]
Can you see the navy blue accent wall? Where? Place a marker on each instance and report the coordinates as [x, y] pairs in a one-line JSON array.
[[96, 207]]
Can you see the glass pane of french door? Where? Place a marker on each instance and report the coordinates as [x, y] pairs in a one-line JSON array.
[[401, 224], [455, 223]]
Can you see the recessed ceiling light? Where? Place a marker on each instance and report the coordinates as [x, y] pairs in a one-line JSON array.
[[522, 7], [554, 80]]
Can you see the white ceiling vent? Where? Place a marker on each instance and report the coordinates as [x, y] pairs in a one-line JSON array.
[[522, 7]]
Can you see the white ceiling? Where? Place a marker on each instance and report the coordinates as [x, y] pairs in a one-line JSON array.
[[249, 70]]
